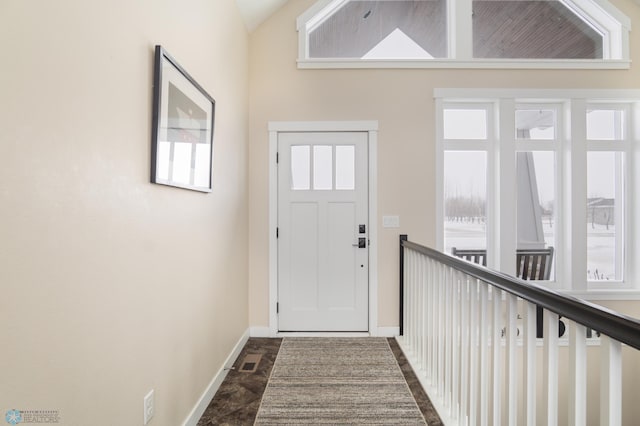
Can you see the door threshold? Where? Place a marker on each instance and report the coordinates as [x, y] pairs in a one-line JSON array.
[[323, 334]]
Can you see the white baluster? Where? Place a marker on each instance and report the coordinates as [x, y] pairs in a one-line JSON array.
[[416, 304], [529, 382], [473, 351], [496, 357], [448, 340], [409, 273], [610, 381], [550, 334], [464, 353], [413, 302], [484, 366], [456, 346], [405, 304], [431, 276], [577, 374], [430, 318], [442, 309], [419, 309], [511, 392]]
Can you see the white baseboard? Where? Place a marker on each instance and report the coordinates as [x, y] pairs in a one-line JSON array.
[[260, 332], [216, 381], [266, 332], [322, 334], [388, 331]]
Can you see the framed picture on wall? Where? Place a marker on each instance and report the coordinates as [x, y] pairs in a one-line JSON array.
[[182, 133]]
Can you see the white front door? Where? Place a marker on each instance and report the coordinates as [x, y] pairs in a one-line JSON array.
[[323, 231]]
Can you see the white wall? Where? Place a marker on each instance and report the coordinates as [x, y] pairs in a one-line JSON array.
[[402, 102], [111, 286]]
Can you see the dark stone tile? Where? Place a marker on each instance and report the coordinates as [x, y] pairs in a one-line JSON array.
[[237, 400], [424, 403]]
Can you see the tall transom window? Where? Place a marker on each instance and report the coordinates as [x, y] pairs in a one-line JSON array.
[[465, 33]]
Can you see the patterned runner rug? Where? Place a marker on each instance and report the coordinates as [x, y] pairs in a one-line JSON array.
[[337, 381]]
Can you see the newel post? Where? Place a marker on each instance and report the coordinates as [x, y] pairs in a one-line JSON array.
[[403, 237]]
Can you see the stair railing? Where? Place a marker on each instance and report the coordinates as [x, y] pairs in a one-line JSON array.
[[470, 334]]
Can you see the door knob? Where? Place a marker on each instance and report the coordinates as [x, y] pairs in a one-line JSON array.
[[362, 243]]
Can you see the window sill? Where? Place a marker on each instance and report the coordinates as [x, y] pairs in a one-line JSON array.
[[604, 294], [587, 64]]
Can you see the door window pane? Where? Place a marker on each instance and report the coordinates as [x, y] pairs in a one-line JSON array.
[[465, 124], [345, 167], [604, 208], [535, 124], [605, 124], [465, 199], [535, 174], [300, 167], [323, 167]]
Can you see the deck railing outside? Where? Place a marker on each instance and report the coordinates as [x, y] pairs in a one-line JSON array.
[[470, 334]]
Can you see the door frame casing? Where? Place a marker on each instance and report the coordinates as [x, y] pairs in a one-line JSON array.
[[370, 127]]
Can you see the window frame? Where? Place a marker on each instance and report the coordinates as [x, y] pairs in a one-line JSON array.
[[599, 14], [571, 148], [623, 146], [466, 145]]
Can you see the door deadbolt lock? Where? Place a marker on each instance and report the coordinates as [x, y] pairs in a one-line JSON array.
[[362, 229]]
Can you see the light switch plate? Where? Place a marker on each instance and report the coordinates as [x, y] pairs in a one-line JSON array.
[[391, 221]]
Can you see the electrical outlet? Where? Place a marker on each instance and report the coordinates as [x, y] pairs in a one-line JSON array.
[[149, 406]]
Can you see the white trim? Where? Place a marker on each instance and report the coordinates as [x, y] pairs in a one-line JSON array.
[[575, 198], [373, 229], [595, 295], [260, 332], [609, 64], [273, 224], [276, 127], [607, 20], [216, 381], [536, 95], [439, 216], [388, 331], [601, 15], [322, 8], [323, 126], [322, 334]]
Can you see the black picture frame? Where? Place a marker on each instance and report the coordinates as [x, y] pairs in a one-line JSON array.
[[182, 128]]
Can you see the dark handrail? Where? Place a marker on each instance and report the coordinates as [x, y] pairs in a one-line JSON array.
[[620, 327]]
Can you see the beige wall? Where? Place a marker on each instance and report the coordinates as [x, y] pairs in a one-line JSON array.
[[112, 286], [402, 102]]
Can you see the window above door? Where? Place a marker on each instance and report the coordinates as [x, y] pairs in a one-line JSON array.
[[463, 34]]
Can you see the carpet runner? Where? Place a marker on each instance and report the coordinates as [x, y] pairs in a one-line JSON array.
[[337, 381]]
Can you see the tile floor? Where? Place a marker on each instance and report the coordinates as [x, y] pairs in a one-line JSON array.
[[239, 396]]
